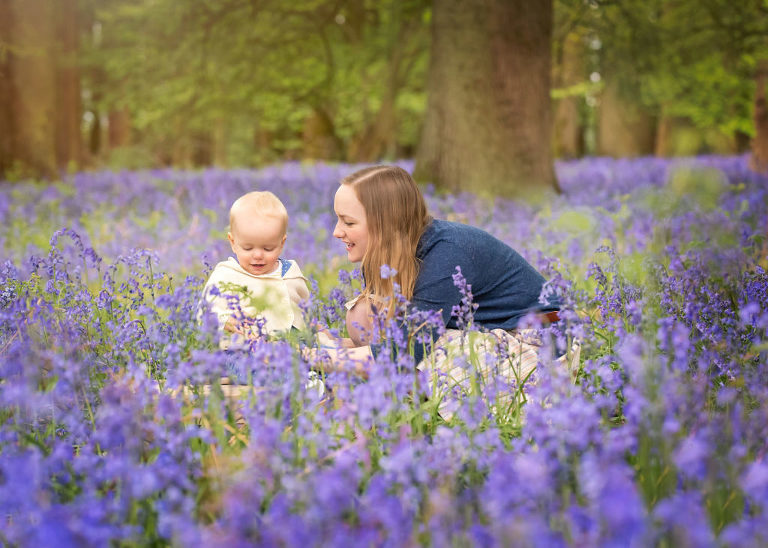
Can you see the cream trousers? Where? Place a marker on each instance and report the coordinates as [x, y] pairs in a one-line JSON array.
[[495, 362]]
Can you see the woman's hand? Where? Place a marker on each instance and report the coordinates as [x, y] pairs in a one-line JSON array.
[[327, 340], [339, 354]]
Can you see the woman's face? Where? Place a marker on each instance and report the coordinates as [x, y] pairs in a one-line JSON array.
[[351, 226]]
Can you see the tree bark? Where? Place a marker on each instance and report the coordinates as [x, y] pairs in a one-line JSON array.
[[624, 128], [33, 88], [95, 136], [219, 136], [202, 148], [68, 106], [488, 126], [320, 141], [663, 145], [568, 135], [119, 128], [379, 137], [6, 90], [181, 153], [759, 158]]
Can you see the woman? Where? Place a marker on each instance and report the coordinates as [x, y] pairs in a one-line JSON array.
[[383, 220]]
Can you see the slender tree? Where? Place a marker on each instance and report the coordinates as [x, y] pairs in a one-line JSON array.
[[626, 128], [569, 76], [67, 106], [759, 159], [487, 127]]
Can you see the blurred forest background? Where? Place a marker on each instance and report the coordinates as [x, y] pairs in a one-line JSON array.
[[483, 93]]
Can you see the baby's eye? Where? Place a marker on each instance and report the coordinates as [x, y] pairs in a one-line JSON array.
[[268, 249]]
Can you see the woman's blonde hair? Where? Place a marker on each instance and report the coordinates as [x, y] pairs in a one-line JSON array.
[[396, 215]]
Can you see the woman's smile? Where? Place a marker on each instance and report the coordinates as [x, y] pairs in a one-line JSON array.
[[351, 225]]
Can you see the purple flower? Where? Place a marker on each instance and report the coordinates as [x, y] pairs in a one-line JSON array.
[[387, 272]]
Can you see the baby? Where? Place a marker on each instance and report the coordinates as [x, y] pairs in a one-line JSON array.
[[263, 284]]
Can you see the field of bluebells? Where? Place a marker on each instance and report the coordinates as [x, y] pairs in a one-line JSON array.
[[110, 431]]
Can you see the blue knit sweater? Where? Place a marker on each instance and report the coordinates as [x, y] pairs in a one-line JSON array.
[[504, 285]]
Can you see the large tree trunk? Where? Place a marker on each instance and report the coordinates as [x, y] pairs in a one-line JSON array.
[[759, 158], [33, 87], [6, 95], [624, 128], [488, 122]]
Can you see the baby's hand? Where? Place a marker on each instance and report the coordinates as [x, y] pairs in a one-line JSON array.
[[233, 326]]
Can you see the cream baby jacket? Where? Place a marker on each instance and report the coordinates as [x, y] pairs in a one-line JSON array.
[[277, 295]]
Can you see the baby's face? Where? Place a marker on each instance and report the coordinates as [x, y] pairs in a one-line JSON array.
[[257, 242]]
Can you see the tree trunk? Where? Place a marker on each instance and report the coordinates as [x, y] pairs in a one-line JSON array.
[[182, 147], [624, 128], [33, 87], [202, 148], [488, 127], [119, 129], [68, 107], [568, 135], [219, 136], [94, 136], [319, 137], [759, 158], [663, 145], [6, 95], [181, 153], [263, 144], [379, 137], [742, 142]]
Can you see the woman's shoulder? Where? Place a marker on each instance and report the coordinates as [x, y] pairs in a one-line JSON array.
[[440, 230], [443, 233]]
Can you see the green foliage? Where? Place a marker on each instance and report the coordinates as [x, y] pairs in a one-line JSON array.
[[240, 73], [678, 58], [712, 92]]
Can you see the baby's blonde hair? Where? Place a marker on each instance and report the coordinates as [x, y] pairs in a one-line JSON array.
[[259, 203]]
